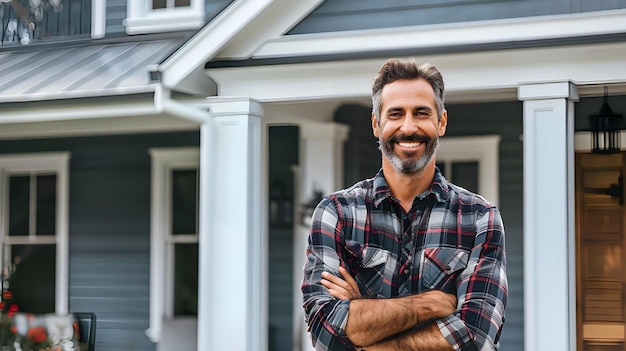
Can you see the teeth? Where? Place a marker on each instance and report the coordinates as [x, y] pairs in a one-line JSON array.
[[409, 144]]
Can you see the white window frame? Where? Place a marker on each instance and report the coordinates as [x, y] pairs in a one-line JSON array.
[[35, 163], [481, 149], [164, 161], [141, 18]]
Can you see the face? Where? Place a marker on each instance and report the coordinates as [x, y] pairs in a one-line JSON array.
[[409, 129]]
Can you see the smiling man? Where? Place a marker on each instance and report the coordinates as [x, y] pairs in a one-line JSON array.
[[406, 260]]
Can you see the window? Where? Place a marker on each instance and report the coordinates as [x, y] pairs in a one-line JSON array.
[[151, 16], [174, 237], [471, 162], [34, 231], [28, 21]]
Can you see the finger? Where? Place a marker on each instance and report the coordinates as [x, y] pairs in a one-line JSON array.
[[348, 278], [334, 290], [335, 280], [330, 285], [338, 295]]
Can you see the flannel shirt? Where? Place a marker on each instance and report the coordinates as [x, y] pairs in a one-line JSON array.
[[451, 240]]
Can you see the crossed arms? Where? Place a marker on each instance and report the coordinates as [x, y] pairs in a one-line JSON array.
[[388, 324]]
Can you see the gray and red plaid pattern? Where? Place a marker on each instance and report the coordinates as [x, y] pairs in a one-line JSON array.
[[451, 240]]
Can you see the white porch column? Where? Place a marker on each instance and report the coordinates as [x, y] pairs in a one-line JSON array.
[[232, 306], [549, 269], [320, 169]]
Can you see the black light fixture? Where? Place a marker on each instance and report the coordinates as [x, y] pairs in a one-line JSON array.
[[605, 129]]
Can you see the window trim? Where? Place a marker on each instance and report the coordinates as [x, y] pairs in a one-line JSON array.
[[164, 160], [482, 149], [142, 19], [57, 162]]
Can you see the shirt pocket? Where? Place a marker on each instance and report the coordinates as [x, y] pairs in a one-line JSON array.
[[371, 262], [440, 267]]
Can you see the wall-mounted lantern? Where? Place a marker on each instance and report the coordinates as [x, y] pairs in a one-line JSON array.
[[605, 129]]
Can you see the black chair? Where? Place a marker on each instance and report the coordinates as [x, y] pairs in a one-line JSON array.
[[86, 329]]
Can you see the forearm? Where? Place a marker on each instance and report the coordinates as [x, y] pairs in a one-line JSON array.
[[372, 320], [427, 338]]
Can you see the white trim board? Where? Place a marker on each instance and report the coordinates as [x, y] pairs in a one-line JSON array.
[[164, 160], [470, 77], [448, 34]]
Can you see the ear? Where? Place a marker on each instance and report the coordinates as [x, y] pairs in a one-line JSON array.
[[443, 123], [375, 128]]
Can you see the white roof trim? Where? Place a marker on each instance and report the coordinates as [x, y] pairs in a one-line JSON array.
[[479, 76], [235, 33], [149, 88], [447, 34]]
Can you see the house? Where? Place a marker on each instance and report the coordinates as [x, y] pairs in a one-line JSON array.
[[160, 156]]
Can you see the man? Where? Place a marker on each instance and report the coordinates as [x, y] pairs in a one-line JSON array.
[[406, 260]]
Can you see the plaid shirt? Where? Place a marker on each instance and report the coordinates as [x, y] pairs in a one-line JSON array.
[[451, 240]]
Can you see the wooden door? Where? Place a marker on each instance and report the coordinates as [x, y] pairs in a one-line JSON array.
[[600, 246]]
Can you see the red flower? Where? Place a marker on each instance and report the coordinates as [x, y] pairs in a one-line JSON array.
[[37, 334], [7, 295], [12, 309], [14, 329], [1, 305]]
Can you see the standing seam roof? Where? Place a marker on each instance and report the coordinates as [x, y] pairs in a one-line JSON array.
[[102, 69]]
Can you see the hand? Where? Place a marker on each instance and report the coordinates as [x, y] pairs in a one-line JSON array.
[[343, 289]]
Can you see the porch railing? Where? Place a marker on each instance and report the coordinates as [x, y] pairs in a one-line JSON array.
[[28, 21]]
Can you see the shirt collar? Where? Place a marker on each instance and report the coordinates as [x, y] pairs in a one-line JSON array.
[[438, 188]]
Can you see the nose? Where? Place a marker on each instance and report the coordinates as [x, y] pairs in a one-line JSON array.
[[409, 127]]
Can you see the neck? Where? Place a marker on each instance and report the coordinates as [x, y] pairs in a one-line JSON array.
[[405, 187]]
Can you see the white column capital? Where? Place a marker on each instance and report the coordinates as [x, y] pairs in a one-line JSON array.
[[548, 90], [220, 106]]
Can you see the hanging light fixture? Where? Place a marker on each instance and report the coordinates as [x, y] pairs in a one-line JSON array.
[[605, 129]]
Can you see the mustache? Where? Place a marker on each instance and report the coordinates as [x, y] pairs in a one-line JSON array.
[[414, 137]]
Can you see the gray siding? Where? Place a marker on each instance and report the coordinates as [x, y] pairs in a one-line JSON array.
[[110, 229], [212, 8], [116, 13], [503, 118], [341, 15]]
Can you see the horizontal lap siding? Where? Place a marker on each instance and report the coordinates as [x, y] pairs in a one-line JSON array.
[[341, 15], [116, 13], [362, 159], [110, 229]]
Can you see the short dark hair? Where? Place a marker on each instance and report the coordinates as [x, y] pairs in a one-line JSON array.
[[398, 69]]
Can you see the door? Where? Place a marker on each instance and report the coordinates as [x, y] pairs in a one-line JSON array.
[[600, 245]]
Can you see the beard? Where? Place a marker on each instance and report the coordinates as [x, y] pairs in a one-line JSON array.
[[410, 164]]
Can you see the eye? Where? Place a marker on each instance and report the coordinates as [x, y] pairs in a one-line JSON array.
[[394, 114], [423, 113]]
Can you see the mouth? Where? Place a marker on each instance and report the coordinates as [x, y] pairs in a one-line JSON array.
[[409, 141], [409, 144]]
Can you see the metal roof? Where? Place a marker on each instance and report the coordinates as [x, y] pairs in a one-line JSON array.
[[95, 69]]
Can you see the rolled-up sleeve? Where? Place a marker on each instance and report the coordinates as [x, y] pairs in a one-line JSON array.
[[482, 290], [325, 315]]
